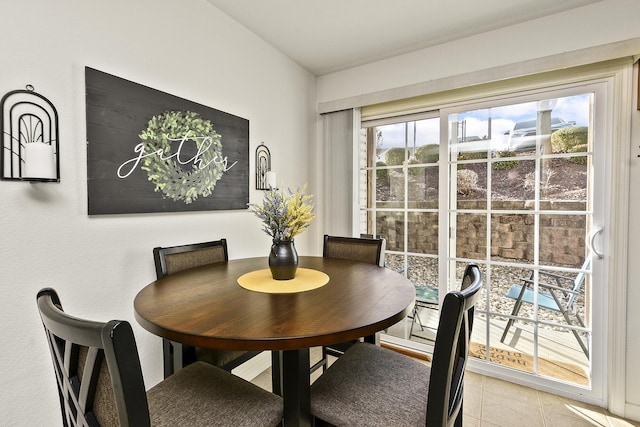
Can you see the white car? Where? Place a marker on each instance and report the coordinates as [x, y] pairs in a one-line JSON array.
[[523, 135]]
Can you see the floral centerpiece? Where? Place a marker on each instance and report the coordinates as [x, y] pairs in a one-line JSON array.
[[284, 214]]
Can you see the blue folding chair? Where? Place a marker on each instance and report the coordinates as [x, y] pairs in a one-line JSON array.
[[555, 296], [426, 297]]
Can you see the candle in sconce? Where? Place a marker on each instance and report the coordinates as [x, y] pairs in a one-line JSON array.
[[39, 161], [272, 181]]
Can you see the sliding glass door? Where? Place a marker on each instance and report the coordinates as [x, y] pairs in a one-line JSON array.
[[512, 185], [401, 173], [522, 206]]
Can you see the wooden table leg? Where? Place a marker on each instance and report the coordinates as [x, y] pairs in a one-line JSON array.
[[276, 372], [296, 387], [373, 339]]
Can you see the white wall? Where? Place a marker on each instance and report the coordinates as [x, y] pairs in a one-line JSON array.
[[598, 24], [97, 264]]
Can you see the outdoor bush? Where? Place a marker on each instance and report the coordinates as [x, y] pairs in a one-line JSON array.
[[581, 160], [563, 140], [472, 155], [414, 171], [505, 164], [571, 139], [394, 156], [467, 181], [429, 153], [381, 173]]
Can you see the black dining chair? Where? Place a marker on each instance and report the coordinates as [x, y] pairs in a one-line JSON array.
[[365, 248], [172, 259], [374, 386], [100, 383]]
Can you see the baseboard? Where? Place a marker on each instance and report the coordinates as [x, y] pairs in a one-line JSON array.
[[415, 354], [631, 411], [254, 366]]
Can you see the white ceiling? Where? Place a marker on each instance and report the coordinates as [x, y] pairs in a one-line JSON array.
[[330, 35]]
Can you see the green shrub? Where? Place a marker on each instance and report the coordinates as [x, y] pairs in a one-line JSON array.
[[414, 171], [504, 165], [571, 139], [381, 173], [472, 155], [429, 153], [565, 139], [581, 160], [394, 156]]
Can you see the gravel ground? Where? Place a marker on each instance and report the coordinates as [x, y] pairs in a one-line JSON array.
[[423, 271]]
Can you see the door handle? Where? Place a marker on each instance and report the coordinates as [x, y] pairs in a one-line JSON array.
[[599, 230]]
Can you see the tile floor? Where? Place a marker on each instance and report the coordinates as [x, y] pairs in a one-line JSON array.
[[490, 402]]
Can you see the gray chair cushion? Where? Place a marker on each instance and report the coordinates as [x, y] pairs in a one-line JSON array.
[[354, 391], [203, 395]]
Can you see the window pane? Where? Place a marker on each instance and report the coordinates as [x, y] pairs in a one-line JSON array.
[[471, 185], [563, 180], [423, 186], [512, 237], [513, 184], [506, 284], [423, 271], [423, 233], [562, 239], [389, 188], [471, 236], [390, 225]]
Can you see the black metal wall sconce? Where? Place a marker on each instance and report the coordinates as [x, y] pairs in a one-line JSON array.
[[30, 145], [265, 177]]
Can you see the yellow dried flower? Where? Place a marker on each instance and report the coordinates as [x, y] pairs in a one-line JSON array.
[[285, 214]]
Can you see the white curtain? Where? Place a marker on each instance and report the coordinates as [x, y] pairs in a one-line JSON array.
[[339, 130]]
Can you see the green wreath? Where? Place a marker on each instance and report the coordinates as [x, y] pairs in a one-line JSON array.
[[176, 181]]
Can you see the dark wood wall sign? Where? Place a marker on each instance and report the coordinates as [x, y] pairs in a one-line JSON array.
[[149, 151]]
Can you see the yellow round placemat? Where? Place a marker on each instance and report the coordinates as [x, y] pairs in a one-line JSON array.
[[262, 281]]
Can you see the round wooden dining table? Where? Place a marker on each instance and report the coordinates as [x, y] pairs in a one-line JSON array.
[[207, 307]]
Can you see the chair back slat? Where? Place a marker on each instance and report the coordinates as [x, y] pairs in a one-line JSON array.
[[367, 250], [451, 350], [171, 259], [97, 368]]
